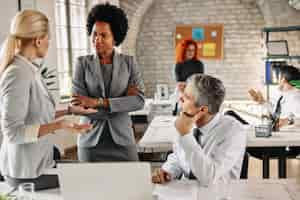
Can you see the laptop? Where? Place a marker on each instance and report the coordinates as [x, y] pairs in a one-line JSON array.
[[105, 181]]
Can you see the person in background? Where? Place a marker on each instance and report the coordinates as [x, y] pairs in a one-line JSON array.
[[111, 83], [27, 107], [187, 64], [213, 150], [286, 108], [288, 103]]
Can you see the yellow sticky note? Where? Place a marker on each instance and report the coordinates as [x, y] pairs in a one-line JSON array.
[[209, 49]]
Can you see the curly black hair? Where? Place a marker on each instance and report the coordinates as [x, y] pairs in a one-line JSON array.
[[112, 15]]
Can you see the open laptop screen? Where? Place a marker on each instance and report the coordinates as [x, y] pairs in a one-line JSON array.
[[113, 181]]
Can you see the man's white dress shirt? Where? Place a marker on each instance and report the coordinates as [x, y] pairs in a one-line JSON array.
[[219, 156]]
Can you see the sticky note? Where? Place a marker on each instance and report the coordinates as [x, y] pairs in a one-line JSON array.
[[209, 49], [198, 33]]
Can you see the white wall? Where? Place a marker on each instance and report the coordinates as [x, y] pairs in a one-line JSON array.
[[8, 9], [48, 7]]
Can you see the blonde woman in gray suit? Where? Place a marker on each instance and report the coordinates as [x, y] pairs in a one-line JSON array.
[[27, 108]]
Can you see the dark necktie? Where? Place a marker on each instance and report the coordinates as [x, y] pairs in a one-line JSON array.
[[277, 107], [174, 112], [276, 115], [197, 134]]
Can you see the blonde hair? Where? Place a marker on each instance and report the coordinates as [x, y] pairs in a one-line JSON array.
[[25, 26]]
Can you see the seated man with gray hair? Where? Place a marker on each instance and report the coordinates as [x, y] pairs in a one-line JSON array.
[[210, 146]]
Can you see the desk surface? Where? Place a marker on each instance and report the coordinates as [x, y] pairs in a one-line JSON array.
[[161, 134], [146, 110], [253, 189], [283, 189]]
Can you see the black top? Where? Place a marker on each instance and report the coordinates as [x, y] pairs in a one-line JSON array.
[[187, 68]]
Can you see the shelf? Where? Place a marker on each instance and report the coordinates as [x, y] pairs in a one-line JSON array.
[[282, 57], [268, 30], [281, 29]]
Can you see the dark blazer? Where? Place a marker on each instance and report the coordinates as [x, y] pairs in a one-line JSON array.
[[187, 68], [88, 81]]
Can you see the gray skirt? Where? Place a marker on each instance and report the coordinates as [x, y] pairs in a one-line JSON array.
[[107, 150]]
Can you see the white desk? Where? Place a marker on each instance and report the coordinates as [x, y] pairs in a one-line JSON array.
[[53, 194], [240, 190], [161, 134], [279, 189], [145, 111]]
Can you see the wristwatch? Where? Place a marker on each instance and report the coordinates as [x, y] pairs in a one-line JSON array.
[[100, 102]]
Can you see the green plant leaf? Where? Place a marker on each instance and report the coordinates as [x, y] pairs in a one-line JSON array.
[[50, 83], [295, 83], [51, 76]]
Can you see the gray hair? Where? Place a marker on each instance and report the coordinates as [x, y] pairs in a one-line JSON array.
[[207, 90]]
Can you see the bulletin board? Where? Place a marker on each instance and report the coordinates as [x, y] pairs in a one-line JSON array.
[[209, 37]]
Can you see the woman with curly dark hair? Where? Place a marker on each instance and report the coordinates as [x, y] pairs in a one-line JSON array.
[[111, 83]]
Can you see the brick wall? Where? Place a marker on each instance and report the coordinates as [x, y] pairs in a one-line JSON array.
[[151, 37]]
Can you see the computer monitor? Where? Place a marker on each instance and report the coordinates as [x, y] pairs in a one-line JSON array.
[[277, 48]]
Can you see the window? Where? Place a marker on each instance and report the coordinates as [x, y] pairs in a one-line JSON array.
[[72, 40]]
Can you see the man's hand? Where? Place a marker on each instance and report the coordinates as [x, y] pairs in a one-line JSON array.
[[84, 101], [160, 176], [181, 86], [283, 122], [256, 96], [185, 122]]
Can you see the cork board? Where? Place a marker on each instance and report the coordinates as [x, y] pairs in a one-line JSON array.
[[209, 37]]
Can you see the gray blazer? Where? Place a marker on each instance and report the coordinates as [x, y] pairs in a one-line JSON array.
[[88, 81], [24, 103]]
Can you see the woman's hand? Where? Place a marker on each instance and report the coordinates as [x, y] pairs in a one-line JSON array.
[[79, 110], [84, 101], [132, 90], [73, 127]]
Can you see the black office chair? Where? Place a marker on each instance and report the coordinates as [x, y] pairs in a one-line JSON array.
[[56, 153], [244, 170], [245, 166]]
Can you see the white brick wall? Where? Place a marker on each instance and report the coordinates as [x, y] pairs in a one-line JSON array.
[[151, 37]]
